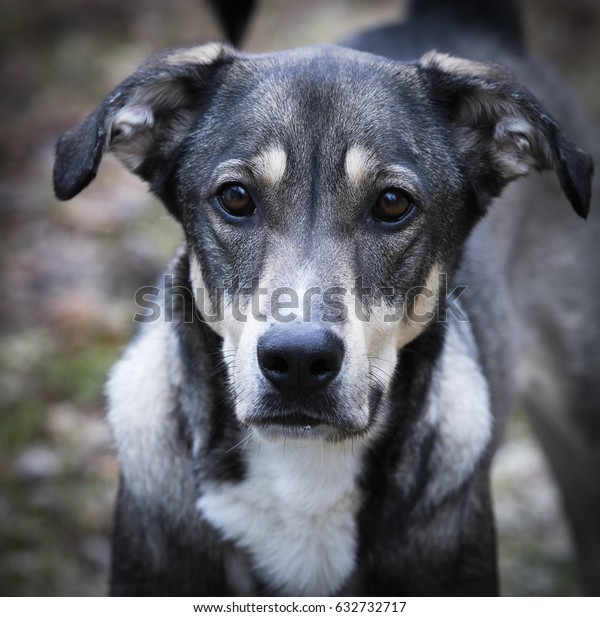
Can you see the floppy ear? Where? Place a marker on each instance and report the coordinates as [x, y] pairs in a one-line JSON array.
[[142, 121], [503, 129]]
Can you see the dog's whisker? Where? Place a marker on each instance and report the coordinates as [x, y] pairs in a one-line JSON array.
[[370, 358], [377, 381], [381, 371], [243, 441]]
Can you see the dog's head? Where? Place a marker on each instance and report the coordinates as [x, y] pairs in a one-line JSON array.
[[322, 193]]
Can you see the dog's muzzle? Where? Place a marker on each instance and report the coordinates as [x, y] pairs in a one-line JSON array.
[[300, 364]]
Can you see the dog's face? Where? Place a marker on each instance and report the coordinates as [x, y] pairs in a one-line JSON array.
[[307, 198], [323, 193]]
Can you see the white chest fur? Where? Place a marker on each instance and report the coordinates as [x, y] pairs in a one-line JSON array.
[[295, 513]]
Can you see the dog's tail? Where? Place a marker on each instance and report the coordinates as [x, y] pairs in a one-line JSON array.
[[234, 16], [499, 18]]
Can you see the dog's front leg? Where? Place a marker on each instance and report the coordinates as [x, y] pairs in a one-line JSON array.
[[427, 526], [446, 549], [155, 555]]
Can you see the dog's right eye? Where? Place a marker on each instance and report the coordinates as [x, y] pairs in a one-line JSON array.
[[393, 206], [236, 200]]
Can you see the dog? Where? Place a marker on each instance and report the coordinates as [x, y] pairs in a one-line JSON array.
[[372, 278]]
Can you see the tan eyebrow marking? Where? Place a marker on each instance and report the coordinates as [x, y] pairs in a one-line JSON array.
[[360, 163], [271, 164]]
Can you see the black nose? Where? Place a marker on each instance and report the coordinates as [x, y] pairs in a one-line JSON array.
[[301, 357]]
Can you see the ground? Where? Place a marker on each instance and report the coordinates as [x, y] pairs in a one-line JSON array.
[[69, 272]]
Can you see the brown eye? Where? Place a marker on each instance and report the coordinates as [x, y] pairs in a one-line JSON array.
[[392, 205], [235, 200]]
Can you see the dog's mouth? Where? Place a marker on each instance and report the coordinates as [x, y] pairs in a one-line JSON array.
[[294, 420], [275, 423], [276, 427], [276, 430], [323, 420]]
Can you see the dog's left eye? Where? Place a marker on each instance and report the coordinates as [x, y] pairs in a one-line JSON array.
[[236, 200], [393, 205]]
